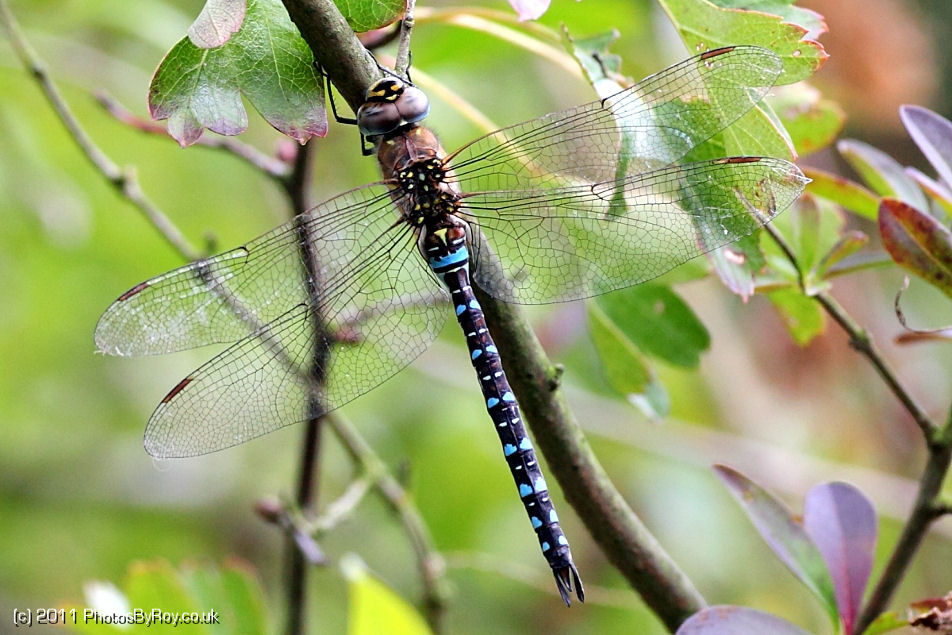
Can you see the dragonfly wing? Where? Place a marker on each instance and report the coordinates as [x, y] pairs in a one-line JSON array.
[[651, 125], [376, 316], [225, 297], [578, 240]]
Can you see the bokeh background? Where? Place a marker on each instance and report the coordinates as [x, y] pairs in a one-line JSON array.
[[80, 500]]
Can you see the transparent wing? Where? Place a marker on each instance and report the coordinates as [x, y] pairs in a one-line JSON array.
[[575, 241], [224, 297], [649, 126], [315, 342]]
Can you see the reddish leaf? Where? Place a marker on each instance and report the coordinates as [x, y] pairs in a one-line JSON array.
[[842, 523], [736, 620], [917, 242]]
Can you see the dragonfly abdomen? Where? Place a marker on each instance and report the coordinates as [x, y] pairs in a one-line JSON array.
[[447, 255]]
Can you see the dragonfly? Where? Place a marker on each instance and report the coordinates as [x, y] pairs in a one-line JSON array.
[[567, 206]]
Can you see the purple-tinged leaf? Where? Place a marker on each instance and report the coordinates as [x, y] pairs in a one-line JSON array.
[[933, 134], [917, 242], [845, 193], [218, 21], [881, 172], [935, 616], [737, 263], [736, 620], [935, 190], [842, 523], [266, 61], [783, 534], [529, 9]]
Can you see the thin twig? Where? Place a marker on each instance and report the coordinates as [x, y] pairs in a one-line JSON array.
[[431, 565], [271, 166], [298, 189], [861, 341], [402, 65], [123, 179], [938, 442], [342, 507]]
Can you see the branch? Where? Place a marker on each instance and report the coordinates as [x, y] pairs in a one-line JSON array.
[[123, 179], [860, 340], [436, 591], [939, 443], [608, 517]]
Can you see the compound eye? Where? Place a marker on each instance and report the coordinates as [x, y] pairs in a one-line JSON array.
[[377, 118], [413, 104]]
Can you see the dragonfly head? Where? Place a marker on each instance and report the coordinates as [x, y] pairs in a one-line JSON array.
[[389, 105]]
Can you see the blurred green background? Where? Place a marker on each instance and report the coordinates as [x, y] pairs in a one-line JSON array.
[[80, 500]]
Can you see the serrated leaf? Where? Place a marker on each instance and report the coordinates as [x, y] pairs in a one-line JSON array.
[[842, 524], [656, 320], [848, 194], [917, 242], [373, 608], [812, 122], [704, 25], [367, 15], [933, 134], [736, 620], [881, 172], [266, 61], [602, 68], [806, 18], [783, 534], [217, 22]]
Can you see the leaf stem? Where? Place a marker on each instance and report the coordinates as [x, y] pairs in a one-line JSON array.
[[124, 179]]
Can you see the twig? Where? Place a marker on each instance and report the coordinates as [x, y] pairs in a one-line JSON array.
[[273, 167], [938, 441], [613, 524], [430, 562], [342, 507], [298, 189], [861, 341], [402, 65], [123, 179]]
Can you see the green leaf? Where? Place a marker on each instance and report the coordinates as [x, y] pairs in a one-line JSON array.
[[881, 172], [367, 15], [848, 244], [156, 585], [703, 26], [783, 534], [218, 21], [373, 607], [848, 194], [801, 315], [266, 61], [625, 367], [812, 122], [885, 623], [601, 67], [656, 320], [917, 242]]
